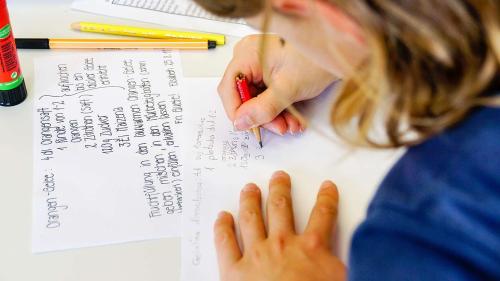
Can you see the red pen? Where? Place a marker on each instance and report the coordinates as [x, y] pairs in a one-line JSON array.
[[245, 95]]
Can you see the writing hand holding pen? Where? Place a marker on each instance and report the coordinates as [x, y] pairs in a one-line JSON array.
[[293, 78]]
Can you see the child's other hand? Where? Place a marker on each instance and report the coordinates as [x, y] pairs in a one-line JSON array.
[[293, 78], [279, 253]]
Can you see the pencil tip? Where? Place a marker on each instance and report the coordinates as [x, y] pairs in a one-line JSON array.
[[260, 143]]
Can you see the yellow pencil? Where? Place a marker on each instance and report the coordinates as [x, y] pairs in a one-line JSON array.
[[145, 32]]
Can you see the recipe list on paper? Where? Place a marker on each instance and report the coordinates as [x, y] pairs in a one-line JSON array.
[[107, 167]]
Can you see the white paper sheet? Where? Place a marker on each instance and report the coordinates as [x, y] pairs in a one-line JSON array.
[[107, 167], [173, 13], [222, 161]]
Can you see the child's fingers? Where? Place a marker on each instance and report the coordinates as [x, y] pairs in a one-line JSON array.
[[228, 251], [324, 214], [279, 205], [250, 216], [260, 110], [227, 90], [292, 122], [278, 126]]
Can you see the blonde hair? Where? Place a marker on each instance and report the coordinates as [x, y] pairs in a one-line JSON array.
[[432, 63]]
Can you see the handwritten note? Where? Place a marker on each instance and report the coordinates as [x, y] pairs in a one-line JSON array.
[[222, 161], [107, 159]]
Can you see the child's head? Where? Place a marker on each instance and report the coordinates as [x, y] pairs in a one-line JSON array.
[[419, 65]]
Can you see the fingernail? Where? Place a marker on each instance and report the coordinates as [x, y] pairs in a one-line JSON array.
[[221, 215], [250, 188], [326, 185], [243, 123], [278, 174], [302, 128], [276, 131]]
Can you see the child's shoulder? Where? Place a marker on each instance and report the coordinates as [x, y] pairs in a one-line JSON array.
[[462, 161], [445, 194], [436, 214]]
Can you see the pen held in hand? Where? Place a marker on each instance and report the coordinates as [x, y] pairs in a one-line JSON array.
[[245, 95]]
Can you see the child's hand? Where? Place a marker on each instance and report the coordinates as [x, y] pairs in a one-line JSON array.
[[292, 78], [279, 253]]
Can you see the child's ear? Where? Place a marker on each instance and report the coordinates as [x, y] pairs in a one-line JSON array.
[[299, 8], [339, 20]]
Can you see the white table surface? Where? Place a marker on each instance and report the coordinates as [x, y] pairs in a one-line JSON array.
[[139, 261]]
